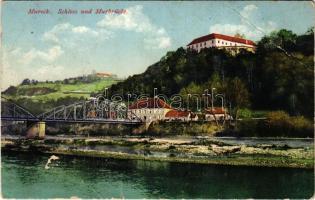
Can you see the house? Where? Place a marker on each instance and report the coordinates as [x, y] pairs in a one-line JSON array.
[[217, 113], [150, 109], [179, 115], [215, 40], [105, 75], [193, 117]]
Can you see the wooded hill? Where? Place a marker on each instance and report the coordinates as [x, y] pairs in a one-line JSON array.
[[279, 76]]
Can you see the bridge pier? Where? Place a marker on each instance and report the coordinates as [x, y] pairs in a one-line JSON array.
[[36, 130]]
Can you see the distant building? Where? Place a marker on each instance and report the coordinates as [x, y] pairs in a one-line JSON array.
[[103, 74], [150, 109], [217, 113], [214, 40]]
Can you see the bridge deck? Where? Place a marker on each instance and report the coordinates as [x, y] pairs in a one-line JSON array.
[[94, 121]]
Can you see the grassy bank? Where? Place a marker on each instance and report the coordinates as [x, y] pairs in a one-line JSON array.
[[205, 151], [183, 128], [241, 160], [42, 96]]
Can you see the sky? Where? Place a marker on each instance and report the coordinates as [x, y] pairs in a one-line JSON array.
[[56, 46]]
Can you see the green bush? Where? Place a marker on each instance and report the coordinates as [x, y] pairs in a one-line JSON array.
[[285, 125], [277, 124], [302, 126], [277, 118], [244, 113]]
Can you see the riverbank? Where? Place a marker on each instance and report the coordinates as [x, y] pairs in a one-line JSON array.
[[173, 149]]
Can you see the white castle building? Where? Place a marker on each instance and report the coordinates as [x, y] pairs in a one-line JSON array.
[[220, 41]]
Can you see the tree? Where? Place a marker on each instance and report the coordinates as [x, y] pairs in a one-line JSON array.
[[238, 35], [283, 40], [10, 91], [26, 82], [237, 94], [192, 96], [34, 82], [310, 31]]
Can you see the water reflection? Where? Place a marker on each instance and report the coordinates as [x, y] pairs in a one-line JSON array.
[[24, 175]]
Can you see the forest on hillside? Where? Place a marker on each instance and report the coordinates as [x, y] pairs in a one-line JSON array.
[[278, 76]]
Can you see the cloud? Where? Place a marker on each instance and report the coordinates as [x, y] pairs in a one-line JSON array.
[[68, 34], [45, 64], [135, 20], [246, 26], [51, 55], [82, 29], [249, 32], [51, 35], [34, 64], [157, 43], [12, 73], [8, 75], [49, 64], [50, 72], [248, 10]]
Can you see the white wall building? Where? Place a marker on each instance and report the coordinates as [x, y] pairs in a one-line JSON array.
[[150, 109], [215, 40]]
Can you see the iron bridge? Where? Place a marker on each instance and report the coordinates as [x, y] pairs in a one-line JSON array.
[[86, 111]]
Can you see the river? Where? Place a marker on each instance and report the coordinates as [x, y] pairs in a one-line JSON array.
[[24, 176]]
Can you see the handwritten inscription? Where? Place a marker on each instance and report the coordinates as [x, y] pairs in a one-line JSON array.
[[69, 11], [110, 11], [38, 11]]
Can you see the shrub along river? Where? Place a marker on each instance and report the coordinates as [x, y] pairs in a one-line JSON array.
[[24, 176]]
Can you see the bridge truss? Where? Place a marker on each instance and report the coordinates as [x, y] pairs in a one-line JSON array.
[[11, 112], [88, 111]]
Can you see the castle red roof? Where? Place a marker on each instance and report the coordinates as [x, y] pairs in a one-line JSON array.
[[177, 113], [149, 103], [223, 37]]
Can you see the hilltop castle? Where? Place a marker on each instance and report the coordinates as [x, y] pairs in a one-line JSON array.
[[214, 40]]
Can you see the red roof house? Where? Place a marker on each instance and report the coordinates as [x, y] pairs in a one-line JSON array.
[[177, 114], [103, 74], [217, 113], [181, 115], [223, 37], [215, 110]]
